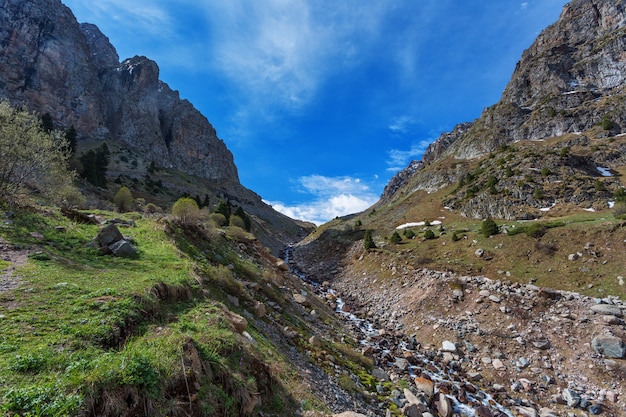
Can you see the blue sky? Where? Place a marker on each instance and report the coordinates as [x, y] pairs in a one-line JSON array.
[[323, 101]]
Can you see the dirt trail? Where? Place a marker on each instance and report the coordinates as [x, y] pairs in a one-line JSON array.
[[16, 257]]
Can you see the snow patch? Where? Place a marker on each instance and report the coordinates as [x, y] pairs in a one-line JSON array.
[[590, 209], [548, 208], [417, 224], [605, 172], [611, 204]]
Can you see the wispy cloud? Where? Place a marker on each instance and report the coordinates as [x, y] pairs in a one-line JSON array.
[[398, 158], [331, 197], [401, 124], [147, 16]]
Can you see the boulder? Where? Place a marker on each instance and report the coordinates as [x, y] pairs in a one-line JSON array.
[[426, 386], [123, 249], [301, 299], [108, 235], [444, 405], [609, 346], [238, 322], [607, 309]]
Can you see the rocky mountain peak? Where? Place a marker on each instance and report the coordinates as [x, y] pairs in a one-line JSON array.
[[103, 53], [51, 64], [570, 81]]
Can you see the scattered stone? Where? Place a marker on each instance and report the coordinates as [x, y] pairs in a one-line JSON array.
[[474, 376], [480, 253], [411, 410], [607, 309], [573, 257], [541, 343], [259, 309], [380, 374], [123, 249], [523, 363], [315, 341], [448, 346], [609, 346], [349, 414], [526, 411], [301, 299], [444, 405], [425, 386], [498, 365], [402, 364], [238, 322], [482, 411], [282, 265], [547, 412], [495, 298], [571, 397]]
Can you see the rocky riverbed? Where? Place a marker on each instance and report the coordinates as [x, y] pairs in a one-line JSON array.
[[469, 345]]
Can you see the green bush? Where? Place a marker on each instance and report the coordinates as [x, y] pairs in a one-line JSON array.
[[429, 234], [607, 123], [123, 200], [395, 238], [186, 209], [489, 227], [368, 242]]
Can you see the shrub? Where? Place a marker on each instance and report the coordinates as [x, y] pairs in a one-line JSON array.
[[368, 242], [408, 233], [429, 234], [619, 210], [123, 200], [32, 161], [607, 123], [395, 238], [186, 209], [489, 227], [620, 195], [218, 219], [564, 151], [236, 221], [545, 171]]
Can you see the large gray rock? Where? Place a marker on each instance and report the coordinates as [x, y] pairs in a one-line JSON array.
[[607, 309], [123, 249], [52, 64], [609, 346]]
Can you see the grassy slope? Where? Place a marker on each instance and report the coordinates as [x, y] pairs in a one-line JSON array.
[[151, 335]]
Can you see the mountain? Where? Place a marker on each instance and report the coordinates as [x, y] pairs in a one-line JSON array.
[[568, 87], [497, 252], [52, 64]]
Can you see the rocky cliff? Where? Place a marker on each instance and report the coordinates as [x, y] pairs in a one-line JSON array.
[[51, 64], [566, 94], [570, 78]]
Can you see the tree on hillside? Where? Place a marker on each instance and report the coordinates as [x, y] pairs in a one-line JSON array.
[[489, 227], [31, 160], [368, 242], [71, 137], [95, 165], [123, 200], [186, 209], [224, 208], [247, 222]]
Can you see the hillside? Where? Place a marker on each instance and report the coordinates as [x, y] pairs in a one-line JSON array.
[[70, 73], [520, 309]]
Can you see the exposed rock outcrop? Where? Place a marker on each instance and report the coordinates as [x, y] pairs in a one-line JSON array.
[[51, 64]]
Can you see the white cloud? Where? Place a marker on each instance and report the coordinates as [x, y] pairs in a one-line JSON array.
[[399, 159], [332, 197], [145, 15], [401, 124]]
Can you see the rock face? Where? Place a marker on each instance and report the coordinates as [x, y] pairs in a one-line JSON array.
[[570, 80], [557, 84], [51, 64]]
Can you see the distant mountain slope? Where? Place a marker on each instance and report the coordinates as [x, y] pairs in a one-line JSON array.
[[49, 63], [569, 82]]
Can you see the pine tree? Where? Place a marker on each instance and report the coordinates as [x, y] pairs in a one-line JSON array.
[[368, 242]]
